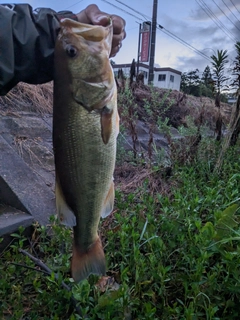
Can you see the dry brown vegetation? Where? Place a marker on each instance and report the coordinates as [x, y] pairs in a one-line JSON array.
[[25, 97], [39, 98], [178, 106]]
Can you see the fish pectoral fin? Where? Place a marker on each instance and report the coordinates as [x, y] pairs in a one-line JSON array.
[[117, 124], [109, 202], [106, 124], [90, 261], [65, 214]]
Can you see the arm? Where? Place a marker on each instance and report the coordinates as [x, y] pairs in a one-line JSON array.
[[26, 45], [27, 41]]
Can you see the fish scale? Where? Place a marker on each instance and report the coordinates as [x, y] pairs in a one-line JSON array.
[[83, 169]]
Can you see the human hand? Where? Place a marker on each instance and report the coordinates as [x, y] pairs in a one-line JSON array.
[[93, 15]]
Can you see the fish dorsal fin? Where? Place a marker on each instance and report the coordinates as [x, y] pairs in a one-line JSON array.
[[109, 202], [65, 214]]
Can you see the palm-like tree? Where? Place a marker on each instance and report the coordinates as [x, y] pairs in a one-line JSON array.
[[236, 84], [219, 62], [236, 67]]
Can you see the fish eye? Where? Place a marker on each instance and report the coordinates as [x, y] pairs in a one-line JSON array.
[[71, 51]]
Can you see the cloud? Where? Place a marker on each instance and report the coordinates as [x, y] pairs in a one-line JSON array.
[[199, 14], [207, 12], [236, 30], [191, 63], [191, 24], [202, 33]]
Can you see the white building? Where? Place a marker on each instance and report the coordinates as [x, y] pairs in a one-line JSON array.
[[167, 78], [232, 100]]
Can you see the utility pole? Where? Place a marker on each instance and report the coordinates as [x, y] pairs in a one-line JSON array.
[[153, 41], [138, 54]]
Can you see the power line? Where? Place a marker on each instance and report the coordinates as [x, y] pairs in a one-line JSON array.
[[231, 10], [235, 6], [74, 4], [122, 10], [167, 32], [189, 46], [144, 16], [214, 18], [131, 29], [225, 14]]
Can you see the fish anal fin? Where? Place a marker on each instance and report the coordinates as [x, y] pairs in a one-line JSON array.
[[109, 202], [65, 214], [90, 262], [106, 124]]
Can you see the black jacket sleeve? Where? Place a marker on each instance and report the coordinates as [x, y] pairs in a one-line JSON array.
[[27, 40]]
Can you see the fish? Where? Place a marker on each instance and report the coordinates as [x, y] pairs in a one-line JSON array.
[[85, 129]]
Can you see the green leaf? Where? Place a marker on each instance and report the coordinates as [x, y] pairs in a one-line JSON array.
[[16, 235], [208, 230], [226, 222]]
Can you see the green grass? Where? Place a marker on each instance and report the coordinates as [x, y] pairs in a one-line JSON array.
[[175, 256]]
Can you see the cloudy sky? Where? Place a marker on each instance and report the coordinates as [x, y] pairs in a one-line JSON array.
[[200, 26]]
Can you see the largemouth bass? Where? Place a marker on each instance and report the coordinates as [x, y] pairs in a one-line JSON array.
[[85, 127]]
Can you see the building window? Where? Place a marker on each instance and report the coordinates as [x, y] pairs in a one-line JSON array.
[[161, 77], [171, 78]]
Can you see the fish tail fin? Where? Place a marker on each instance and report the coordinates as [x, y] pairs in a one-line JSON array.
[[85, 263]]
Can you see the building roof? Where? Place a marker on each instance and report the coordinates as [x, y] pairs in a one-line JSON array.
[[128, 65]]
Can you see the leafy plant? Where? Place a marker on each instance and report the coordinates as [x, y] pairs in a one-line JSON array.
[[219, 62], [236, 83], [175, 255], [171, 243]]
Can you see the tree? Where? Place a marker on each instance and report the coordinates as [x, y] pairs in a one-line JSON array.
[[219, 62], [193, 77], [207, 79], [206, 76], [236, 84], [132, 71], [184, 82], [190, 82], [236, 68]]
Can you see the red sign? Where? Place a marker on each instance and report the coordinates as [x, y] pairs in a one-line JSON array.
[[145, 46]]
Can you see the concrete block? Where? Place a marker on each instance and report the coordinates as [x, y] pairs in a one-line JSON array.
[[21, 188], [11, 219]]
